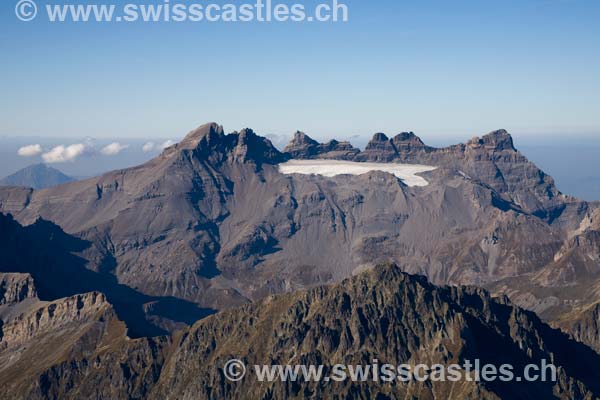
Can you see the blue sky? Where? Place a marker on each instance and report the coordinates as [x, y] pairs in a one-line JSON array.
[[455, 68]]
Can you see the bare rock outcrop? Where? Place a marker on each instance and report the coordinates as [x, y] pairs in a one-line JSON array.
[[35, 335], [15, 287], [303, 147], [381, 314]]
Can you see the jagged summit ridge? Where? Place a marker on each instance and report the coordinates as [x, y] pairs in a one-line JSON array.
[[303, 146], [300, 139], [206, 135], [210, 142], [492, 159], [382, 313], [405, 146], [246, 145]]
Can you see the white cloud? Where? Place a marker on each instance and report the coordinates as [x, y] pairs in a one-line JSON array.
[[167, 143], [113, 149], [30, 151], [148, 147], [63, 153]]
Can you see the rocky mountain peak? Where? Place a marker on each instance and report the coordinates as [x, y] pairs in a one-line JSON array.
[[37, 176], [496, 140], [407, 137], [301, 146], [379, 137], [408, 145], [335, 145], [250, 146], [380, 149], [301, 138], [209, 142], [208, 133]]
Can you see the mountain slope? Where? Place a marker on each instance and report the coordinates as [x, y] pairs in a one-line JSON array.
[[213, 222], [48, 257], [38, 176], [36, 335], [383, 314]]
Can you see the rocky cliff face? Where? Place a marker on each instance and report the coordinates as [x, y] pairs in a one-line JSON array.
[[211, 224], [41, 317], [383, 314], [566, 290], [583, 325], [15, 288], [379, 149], [36, 335]]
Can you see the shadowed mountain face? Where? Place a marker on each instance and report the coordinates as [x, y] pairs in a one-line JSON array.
[[38, 176], [49, 256], [212, 222], [382, 314]]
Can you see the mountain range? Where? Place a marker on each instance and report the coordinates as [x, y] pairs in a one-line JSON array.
[[212, 224]]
